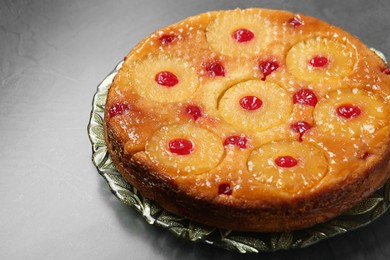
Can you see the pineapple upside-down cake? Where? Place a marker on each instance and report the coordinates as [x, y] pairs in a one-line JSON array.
[[252, 120]]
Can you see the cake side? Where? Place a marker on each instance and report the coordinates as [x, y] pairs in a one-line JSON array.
[[266, 215]]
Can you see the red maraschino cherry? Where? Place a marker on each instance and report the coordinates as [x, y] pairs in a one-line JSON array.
[[286, 161], [243, 35], [267, 67], [319, 61], [300, 127], [215, 69], [118, 109], [194, 111], [166, 79], [167, 39], [305, 97], [385, 71], [225, 189], [348, 111], [180, 146], [239, 141], [296, 21], [251, 102]]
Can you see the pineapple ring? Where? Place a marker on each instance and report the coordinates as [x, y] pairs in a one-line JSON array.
[[309, 167], [144, 72], [334, 59], [372, 116], [206, 153], [275, 108], [219, 33]]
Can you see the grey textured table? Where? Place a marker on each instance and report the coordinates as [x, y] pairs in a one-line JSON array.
[[53, 54]]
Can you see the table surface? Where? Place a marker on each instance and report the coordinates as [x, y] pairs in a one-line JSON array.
[[53, 54]]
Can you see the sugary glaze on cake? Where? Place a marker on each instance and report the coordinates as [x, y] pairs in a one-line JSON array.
[[253, 120]]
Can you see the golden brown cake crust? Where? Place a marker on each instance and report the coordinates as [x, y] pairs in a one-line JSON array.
[[343, 160]]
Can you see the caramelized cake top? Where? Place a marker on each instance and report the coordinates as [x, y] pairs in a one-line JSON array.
[[252, 105]]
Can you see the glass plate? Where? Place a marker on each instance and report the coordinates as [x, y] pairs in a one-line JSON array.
[[243, 242]]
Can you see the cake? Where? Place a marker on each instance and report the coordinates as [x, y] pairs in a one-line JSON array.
[[252, 120]]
